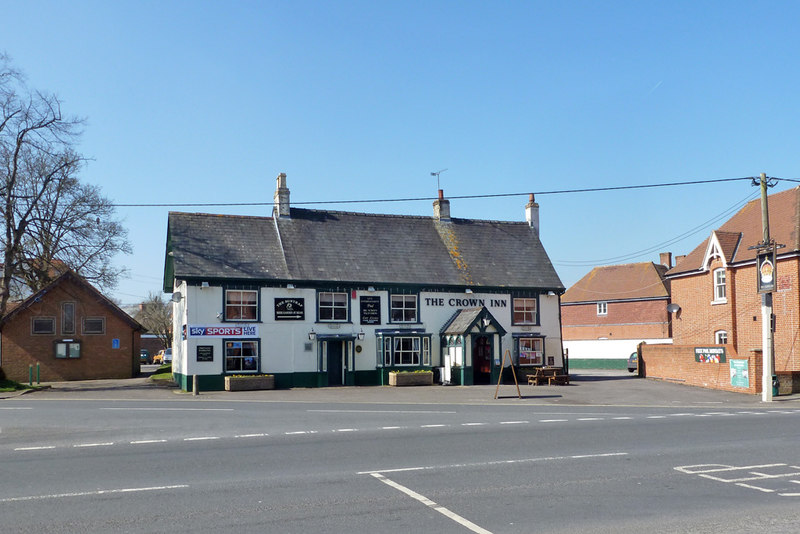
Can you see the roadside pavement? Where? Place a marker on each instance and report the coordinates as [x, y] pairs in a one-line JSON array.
[[587, 387]]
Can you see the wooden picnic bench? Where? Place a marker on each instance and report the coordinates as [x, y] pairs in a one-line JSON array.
[[549, 376]]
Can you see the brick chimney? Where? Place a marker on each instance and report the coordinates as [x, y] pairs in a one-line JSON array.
[[441, 208], [281, 199], [532, 214], [666, 259]]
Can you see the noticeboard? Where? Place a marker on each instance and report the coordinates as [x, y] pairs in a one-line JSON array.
[[740, 374], [370, 310], [288, 309], [205, 353]]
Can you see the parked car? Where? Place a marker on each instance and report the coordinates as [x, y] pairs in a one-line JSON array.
[[144, 356], [633, 362], [168, 356]]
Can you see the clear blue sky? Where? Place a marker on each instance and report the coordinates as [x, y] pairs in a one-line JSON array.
[[209, 101]]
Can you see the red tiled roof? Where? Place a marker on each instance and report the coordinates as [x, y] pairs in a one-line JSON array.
[[619, 282], [784, 227]]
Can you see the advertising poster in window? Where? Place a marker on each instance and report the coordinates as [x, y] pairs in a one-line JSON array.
[[709, 354], [290, 309], [370, 310], [740, 374]]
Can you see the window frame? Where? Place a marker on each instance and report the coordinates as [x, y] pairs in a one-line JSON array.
[[719, 335], [241, 305], [602, 308], [720, 285], [525, 310], [40, 318], [389, 355], [539, 354], [91, 332], [227, 343], [65, 314], [404, 308], [333, 307]]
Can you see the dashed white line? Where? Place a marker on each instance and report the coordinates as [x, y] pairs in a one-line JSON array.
[[656, 417], [251, 435], [35, 448], [473, 424], [432, 426], [391, 427], [590, 418], [553, 420], [148, 441], [514, 422], [300, 432], [107, 444], [623, 418], [346, 430], [202, 438]]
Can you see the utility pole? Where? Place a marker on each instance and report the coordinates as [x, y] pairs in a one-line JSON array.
[[766, 277]]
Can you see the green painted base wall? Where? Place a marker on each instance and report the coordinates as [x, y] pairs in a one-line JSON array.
[[603, 363]]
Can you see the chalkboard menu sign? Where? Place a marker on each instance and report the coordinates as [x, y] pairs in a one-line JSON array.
[[205, 353], [371, 310], [290, 309]]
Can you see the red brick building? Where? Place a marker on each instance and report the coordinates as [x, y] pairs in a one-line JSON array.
[[72, 332], [612, 309], [715, 287]]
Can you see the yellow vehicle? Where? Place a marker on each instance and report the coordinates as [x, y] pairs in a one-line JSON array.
[[163, 356]]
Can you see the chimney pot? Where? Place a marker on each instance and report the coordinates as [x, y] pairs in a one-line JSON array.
[[281, 198], [441, 207], [666, 259], [532, 213]]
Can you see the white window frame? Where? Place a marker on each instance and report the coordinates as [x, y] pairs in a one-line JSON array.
[[533, 349], [602, 308], [527, 307], [404, 305], [721, 337], [414, 351], [232, 344], [332, 307], [241, 305], [720, 287]]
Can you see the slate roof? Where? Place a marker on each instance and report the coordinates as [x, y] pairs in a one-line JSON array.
[[619, 282], [333, 246], [745, 228]]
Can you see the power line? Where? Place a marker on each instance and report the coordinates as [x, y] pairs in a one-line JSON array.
[[460, 197]]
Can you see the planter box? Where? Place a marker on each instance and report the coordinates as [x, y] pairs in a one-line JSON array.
[[411, 379], [249, 383]]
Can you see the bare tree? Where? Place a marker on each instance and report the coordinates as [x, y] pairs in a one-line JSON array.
[[156, 316], [44, 209]]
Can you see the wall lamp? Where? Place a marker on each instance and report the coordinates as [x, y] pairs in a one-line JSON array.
[[360, 335], [289, 286], [176, 297], [673, 308], [204, 285], [312, 335], [486, 322], [468, 290]]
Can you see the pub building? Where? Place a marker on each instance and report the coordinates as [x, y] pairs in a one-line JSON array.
[[328, 298]]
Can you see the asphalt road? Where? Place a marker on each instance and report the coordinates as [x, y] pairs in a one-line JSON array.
[[656, 457]]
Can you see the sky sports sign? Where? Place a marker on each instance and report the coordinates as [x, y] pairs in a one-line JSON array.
[[223, 331]]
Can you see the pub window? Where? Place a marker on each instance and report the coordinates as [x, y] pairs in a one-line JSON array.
[[406, 350], [67, 317], [524, 311], [67, 349], [94, 325], [43, 325], [241, 356], [241, 305], [719, 285], [403, 309], [333, 306], [531, 351]]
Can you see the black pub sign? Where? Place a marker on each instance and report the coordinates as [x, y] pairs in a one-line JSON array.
[[370, 310], [290, 309]]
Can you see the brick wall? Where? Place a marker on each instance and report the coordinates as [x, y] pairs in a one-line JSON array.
[[98, 359], [646, 319], [740, 316], [677, 363]]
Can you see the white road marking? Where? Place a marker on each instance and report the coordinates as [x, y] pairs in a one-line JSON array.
[[623, 418], [92, 493], [427, 502], [514, 422], [346, 430], [17, 408], [553, 420], [107, 444], [251, 435], [171, 409], [35, 448], [147, 441], [391, 427], [379, 411], [656, 416], [473, 424], [201, 438], [299, 432], [765, 490], [496, 462], [432, 426], [590, 418]]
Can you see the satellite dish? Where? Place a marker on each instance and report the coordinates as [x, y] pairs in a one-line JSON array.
[[673, 308], [176, 297]]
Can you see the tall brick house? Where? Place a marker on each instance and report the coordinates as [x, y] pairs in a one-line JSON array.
[[608, 312], [72, 332], [715, 288]]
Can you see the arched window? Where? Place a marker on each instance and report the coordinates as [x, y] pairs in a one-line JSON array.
[[721, 337]]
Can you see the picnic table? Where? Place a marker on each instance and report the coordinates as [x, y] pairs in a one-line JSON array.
[[549, 376]]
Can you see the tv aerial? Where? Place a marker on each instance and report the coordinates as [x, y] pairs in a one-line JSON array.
[[436, 174]]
